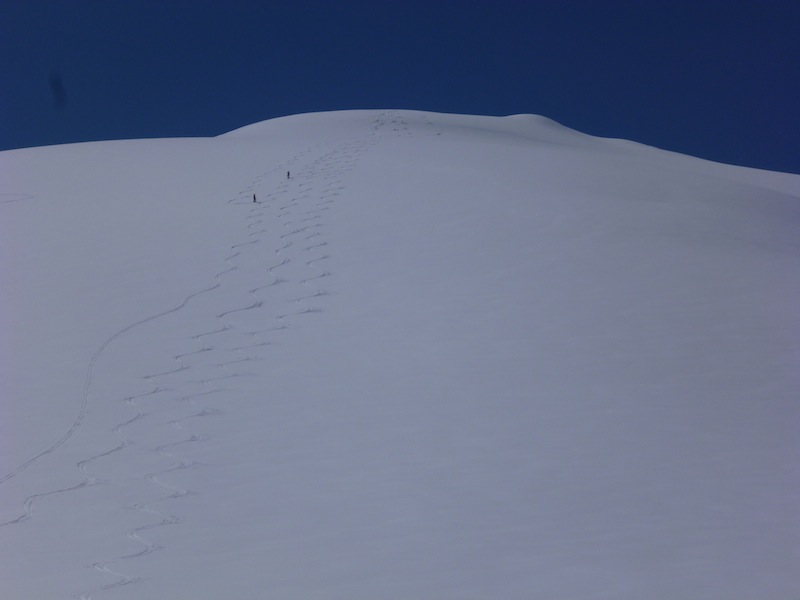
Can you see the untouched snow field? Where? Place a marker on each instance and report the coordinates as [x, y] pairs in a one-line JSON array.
[[451, 357]]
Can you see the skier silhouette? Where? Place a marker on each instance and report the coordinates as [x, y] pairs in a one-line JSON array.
[[254, 198], [288, 175]]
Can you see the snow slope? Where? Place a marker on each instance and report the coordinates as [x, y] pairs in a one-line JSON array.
[[451, 357]]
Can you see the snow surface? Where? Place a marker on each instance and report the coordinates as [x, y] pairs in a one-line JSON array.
[[451, 357]]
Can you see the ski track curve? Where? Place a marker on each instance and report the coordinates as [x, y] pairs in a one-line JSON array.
[[284, 227], [87, 384], [7, 198]]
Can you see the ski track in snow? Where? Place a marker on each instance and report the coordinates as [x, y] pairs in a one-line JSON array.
[[11, 198], [294, 233], [299, 211], [84, 400]]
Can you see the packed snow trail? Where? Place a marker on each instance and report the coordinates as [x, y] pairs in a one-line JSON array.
[[284, 246]]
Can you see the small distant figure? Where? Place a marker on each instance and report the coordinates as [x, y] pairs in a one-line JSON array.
[[254, 198], [288, 175]]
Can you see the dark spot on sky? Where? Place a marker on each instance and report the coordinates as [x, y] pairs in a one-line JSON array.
[[57, 88]]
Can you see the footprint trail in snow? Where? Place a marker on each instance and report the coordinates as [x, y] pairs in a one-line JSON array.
[[273, 280]]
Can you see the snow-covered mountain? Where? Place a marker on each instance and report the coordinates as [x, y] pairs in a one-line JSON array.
[[439, 356]]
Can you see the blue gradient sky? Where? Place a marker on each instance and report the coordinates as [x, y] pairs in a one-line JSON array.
[[715, 79]]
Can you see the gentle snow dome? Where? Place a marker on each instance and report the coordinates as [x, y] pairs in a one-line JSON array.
[[396, 354]]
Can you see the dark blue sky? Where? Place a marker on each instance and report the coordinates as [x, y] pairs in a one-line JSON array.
[[716, 79]]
